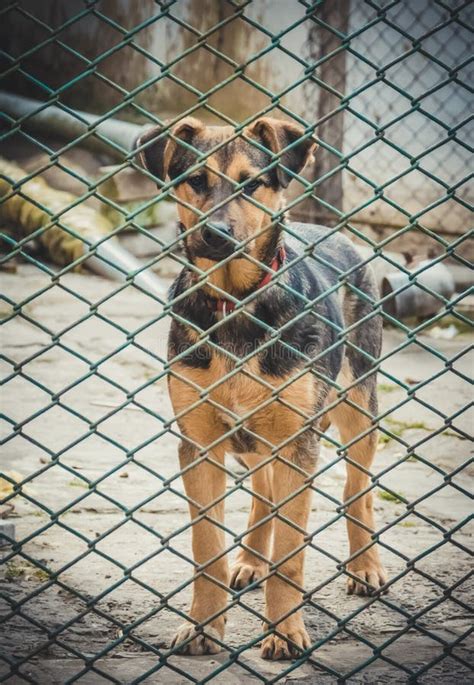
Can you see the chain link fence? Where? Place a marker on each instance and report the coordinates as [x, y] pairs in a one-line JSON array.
[[97, 570]]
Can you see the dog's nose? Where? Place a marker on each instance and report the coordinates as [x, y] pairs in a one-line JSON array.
[[216, 234]]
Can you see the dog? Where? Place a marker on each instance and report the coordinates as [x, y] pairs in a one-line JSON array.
[[272, 339]]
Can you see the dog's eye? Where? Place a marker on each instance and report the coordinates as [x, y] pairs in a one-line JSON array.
[[252, 186], [197, 182]]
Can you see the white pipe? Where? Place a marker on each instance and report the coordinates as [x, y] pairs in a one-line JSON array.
[[42, 118], [119, 264]]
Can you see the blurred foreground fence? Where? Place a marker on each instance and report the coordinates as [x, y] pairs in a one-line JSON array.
[[385, 87]]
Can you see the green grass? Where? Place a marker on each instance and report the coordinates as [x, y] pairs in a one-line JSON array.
[[453, 434], [41, 575], [16, 570], [384, 438], [387, 387], [389, 497], [399, 427], [76, 483]]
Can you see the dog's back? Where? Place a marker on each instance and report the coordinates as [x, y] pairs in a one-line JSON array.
[[339, 271]]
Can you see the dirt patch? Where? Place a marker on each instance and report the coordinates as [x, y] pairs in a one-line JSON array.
[[93, 593]]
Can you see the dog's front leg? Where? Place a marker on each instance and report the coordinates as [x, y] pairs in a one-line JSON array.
[[204, 482], [249, 565], [284, 589]]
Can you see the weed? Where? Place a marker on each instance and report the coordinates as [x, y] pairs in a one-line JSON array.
[[15, 571], [76, 483], [384, 438], [387, 387], [399, 427], [390, 497], [453, 434]]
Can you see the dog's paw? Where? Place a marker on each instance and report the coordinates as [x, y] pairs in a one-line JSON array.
[[243, 574], [276, 648], [190, 641], [372, 578]]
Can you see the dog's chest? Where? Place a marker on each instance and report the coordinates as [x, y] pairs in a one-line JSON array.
[[238, 388], [260, 410]]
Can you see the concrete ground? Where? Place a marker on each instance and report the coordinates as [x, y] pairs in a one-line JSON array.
[[98, 582]]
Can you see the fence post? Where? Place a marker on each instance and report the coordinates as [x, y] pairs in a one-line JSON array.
[[332, 72]]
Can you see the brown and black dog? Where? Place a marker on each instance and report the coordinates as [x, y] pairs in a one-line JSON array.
[[272, 339]]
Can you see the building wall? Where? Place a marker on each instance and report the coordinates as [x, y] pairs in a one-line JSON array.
[[117, 62]]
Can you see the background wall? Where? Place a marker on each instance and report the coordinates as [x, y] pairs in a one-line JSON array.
[[396, 85]]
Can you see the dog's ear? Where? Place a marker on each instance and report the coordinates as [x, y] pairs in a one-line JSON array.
[[277, 135], [158, 148]]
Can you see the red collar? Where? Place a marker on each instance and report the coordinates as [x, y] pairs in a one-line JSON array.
[[226, 306]]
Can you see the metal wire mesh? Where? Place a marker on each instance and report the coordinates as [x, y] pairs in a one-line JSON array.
[[398, 103]]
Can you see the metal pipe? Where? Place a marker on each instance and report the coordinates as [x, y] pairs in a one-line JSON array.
[[46, 119], [384, 269], [414, 301], [120, 263]]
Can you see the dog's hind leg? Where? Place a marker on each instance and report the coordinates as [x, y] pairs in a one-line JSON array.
[[204, 482], [355, 424], [249, 565]]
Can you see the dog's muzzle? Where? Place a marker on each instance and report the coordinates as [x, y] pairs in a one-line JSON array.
[[217, 241]]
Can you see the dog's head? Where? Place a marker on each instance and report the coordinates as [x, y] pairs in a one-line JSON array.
[[230, 184]]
